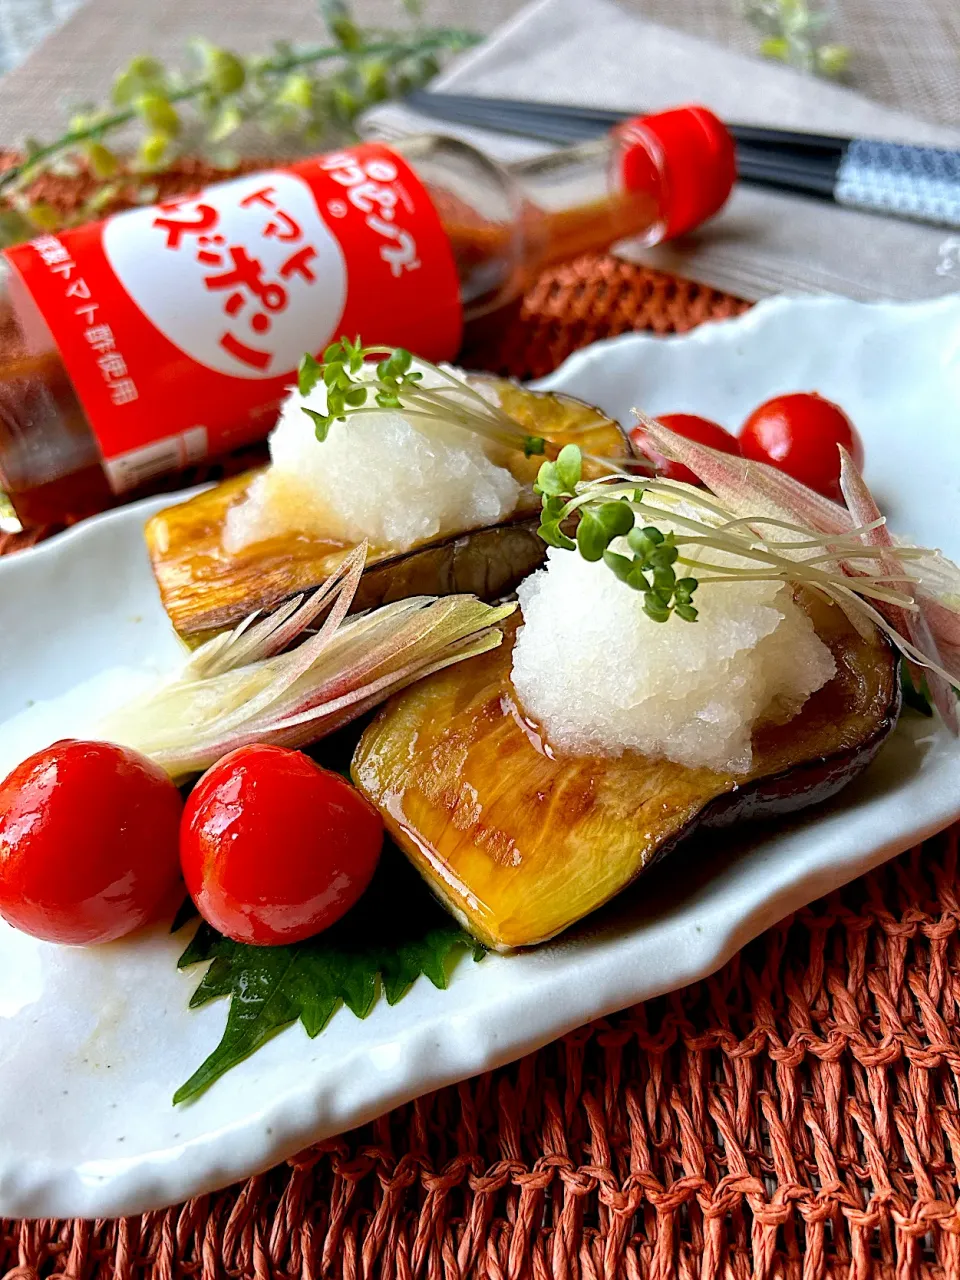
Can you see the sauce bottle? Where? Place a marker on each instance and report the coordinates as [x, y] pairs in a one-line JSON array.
[[145, 343]]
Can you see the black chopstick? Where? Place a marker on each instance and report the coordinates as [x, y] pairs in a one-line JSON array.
[[578, 122], [583, 124], [920, 183], [501, 117]]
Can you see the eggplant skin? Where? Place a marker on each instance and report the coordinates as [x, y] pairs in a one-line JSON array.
[[520, 842], [487, 563], [205, 589], [800, 787]]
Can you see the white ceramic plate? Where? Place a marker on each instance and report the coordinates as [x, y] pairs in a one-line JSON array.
[[93, 1043]]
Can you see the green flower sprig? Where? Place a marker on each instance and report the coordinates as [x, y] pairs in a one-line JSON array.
[[312, 92], [792, 32], [345, 371], [650, 568]]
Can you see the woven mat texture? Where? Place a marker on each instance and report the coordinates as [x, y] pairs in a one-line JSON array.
[[797, 1115]]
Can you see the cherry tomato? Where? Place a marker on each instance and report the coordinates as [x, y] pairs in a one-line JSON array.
[[692, 427], [88, 842], [799, 433], [274, 848]]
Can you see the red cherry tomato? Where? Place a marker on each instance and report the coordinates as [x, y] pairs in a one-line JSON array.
[[88, 842], [799, 433], [692, 427], [274, 848]]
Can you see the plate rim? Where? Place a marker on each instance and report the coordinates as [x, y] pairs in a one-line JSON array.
[[151, 1181]]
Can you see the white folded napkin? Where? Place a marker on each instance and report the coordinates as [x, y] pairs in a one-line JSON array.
[[594, 53]]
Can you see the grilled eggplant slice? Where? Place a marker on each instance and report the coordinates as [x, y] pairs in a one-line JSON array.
[[204, 588], [520, 841]]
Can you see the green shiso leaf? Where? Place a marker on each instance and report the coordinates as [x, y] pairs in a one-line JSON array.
[[394, 934]]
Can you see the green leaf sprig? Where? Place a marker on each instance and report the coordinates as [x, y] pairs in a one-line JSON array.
[[650, 567], [313, 92], [355, 384]]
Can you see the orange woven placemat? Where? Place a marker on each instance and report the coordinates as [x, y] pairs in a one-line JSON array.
[[796, 1115]]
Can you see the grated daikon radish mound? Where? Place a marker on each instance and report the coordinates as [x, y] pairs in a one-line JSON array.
[[378, 475], [601, 677]]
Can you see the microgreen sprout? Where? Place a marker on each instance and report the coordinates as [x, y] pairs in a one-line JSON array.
[[763, 548], [650, 566], [371, 379]]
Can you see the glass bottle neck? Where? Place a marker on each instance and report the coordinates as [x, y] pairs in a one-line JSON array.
[[506, 222], [484, 215], [581, 203]]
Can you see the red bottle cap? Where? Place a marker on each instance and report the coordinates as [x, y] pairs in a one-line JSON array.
[[694, 153]]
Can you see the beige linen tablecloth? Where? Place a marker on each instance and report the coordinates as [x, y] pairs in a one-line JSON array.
[[763, 242], [907, 52]]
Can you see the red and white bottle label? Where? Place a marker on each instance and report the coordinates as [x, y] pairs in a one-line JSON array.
[[182, 324]]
